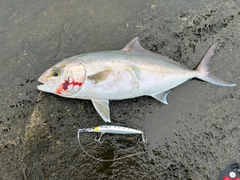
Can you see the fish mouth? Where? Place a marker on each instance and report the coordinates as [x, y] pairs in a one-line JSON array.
[[47, 86]]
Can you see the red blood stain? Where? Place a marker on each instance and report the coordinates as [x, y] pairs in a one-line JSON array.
[[64, 86]]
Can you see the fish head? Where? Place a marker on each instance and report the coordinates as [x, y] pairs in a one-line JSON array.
[[64, 78]]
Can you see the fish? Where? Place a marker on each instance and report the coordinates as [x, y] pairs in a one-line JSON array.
[[122, 74]]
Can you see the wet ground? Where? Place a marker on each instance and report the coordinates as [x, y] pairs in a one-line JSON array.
[[193, 137]]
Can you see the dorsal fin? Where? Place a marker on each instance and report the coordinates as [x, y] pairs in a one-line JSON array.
[[135, 48]]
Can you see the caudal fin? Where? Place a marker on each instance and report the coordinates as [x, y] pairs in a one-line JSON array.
[[203, 67]]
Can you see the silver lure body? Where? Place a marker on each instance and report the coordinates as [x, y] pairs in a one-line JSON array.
[[112, 130]]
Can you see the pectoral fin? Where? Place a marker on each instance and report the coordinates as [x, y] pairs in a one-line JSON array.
[[100, 76], [102, 107], [161, 97]]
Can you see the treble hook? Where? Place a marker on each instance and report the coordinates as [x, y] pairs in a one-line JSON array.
[[144, 140], [99, 139]]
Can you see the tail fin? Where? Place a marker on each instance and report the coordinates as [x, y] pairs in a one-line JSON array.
[[203, 67]]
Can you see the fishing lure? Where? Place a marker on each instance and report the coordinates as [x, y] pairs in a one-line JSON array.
[[113, 130]]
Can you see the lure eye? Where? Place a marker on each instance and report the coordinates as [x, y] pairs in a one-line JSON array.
[[56, 73]]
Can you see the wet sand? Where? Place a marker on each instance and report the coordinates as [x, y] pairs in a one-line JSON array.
[[193, 137]]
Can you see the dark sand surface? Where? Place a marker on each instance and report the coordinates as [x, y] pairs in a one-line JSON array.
[[193, 137]]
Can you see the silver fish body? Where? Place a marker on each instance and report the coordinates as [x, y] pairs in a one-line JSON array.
[[115, 75], [129, 75]]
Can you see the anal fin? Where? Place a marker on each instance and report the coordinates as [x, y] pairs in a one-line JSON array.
[[102, 107], [161, 97]]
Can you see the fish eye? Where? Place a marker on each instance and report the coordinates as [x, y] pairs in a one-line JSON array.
[[55, 73]]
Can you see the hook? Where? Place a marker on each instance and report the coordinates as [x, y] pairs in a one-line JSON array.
[[144, 140], [99, 139]]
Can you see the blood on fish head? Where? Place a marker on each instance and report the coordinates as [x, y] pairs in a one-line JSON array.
[[64, 79]]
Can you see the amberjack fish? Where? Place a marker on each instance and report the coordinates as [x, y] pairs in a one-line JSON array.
[[127, 73]]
